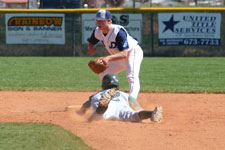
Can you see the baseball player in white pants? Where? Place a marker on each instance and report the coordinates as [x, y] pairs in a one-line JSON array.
[[125, 53], [120, 105]]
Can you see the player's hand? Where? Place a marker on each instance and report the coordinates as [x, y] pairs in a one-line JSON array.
[[91, 48], [82, 111], [91, 51], [105, 60]]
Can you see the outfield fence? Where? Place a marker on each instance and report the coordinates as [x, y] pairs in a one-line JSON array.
[[160, 31]]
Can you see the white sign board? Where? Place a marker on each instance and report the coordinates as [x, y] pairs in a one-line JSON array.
[[131, 22], [22, 28], [189, 28]]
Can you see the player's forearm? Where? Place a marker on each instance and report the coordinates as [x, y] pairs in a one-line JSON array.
[[91, 48], [118, 56], [84, 107], [101, 110]]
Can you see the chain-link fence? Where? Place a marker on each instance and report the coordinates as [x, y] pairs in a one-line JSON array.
[[16, 38]]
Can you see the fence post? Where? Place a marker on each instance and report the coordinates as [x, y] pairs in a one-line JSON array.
[[134, 3], [152, 33], [73, 34]]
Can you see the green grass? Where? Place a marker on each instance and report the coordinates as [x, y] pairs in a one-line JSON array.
[[181, 74], [45, 73], [38, 136], [184, 74]]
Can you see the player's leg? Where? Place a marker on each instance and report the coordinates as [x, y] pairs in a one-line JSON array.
[[133, 69], [155, 116], [127, 114], [116, 111], [115, 67], [144, 114]]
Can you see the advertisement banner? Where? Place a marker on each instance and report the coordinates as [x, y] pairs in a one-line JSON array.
[[131, 22], [22, 28], [189, 29]]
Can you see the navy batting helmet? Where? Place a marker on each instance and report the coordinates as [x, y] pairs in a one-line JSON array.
[[109, 81]]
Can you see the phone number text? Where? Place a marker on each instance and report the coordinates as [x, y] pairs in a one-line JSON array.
[[197, 42]]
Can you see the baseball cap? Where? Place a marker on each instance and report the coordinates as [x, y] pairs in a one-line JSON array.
[[103, 15]]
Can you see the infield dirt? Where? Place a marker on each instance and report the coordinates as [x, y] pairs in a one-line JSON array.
[[191, 121]]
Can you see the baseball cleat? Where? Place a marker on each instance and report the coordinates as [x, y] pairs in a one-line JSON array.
[[157, 114]]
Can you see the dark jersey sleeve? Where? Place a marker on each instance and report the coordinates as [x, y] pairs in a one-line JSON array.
[[92, 39], [121, 40]]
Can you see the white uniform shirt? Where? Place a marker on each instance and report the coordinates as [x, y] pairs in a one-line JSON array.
[[117, 39], [118, 108]]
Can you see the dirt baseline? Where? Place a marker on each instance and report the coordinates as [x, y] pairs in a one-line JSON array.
[[191, 121]]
